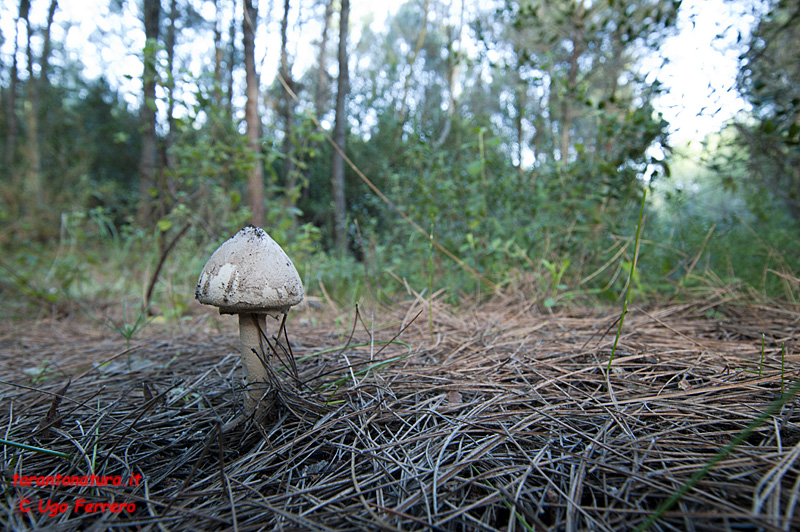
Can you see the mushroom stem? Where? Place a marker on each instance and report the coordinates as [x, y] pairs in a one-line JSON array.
[[255, 374]]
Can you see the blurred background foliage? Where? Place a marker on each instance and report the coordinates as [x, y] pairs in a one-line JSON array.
[[520, 135]]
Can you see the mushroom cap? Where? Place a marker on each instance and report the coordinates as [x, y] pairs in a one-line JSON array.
[[251, 273]]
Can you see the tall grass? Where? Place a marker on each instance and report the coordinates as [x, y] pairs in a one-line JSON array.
[[630, 282]]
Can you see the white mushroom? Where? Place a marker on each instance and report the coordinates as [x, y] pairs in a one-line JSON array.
[[250, 275]]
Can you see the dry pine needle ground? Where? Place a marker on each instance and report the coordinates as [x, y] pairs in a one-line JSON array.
[[496, 418]]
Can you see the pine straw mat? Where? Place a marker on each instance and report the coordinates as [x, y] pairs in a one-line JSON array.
[[498, 417]]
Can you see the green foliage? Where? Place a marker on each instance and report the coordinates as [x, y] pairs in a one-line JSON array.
[[556, 273], [126, 328], [527, 155], [708, 232], [769, 78], [488, 217], [89, 144]]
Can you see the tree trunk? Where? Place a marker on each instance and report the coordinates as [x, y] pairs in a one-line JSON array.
[[11, 140], [320, 96], [217, 54], [255, 181], [566, 105], [453, 70], [38, 90], [231, 62], [44, 60], [165, 187], [340, 136], [288, 105], [572, 84], [412, 60], [33, 174], [452, 73], [522, 102], [147, 112], [170, 46]]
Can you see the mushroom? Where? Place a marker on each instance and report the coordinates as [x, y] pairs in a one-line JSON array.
[[250, 275]]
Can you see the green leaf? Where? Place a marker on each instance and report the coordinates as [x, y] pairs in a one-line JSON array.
[[474, 168]]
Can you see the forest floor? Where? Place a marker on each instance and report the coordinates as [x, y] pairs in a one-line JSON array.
[[495, 417]]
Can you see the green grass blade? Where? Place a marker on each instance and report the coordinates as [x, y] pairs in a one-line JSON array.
[[630, 283], [34, 449]]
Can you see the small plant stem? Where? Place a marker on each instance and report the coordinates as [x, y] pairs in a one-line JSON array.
[[783, 360], [630, 283], [430, 281], [149, 294], [481, 132]]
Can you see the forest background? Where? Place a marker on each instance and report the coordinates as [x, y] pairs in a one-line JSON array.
[[494, 146]]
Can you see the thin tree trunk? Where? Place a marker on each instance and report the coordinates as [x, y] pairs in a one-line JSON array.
[[165, 188], [231, 62], [453, 69], [33, 175], [170, 46], [566, 103], [522, 102], [417, 48], [38, 91], [217, 53], [288, 106], [13, 132], [572, 84], [320, 95], [44, 60], [147, 112], [340, 135], [451, 106], [255, 181]]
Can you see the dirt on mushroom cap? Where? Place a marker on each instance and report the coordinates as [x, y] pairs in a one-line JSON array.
[[250, 272]]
